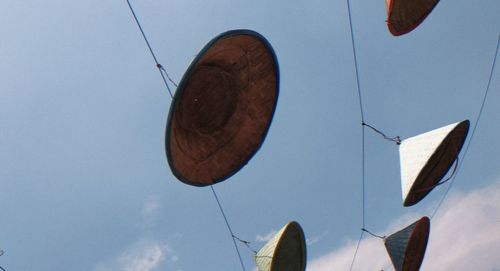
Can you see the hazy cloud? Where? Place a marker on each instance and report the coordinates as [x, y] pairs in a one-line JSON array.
[[465, 235], [313, 240], [265, 237], [150, 206], [143, 256]]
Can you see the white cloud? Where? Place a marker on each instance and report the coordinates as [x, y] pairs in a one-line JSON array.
[[150, 206], [313, 240], [265, 237], [465, 235], [143, 256]]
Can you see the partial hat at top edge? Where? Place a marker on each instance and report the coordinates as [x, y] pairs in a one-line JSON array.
[[405, 15]]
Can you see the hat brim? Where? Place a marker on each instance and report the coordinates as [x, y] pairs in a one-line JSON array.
[[223, 108]]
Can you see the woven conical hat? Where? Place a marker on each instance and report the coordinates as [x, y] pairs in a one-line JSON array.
[[407, 247], [425, 159], [405, 15], [286, 251], [223, 108]]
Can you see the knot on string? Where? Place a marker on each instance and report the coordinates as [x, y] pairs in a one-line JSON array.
[[163, 71], [374, 235], [246, 243], [395, 139]]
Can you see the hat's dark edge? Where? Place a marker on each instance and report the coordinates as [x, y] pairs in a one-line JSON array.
[[409, 201], [396, 33], [418, 241], [182, 85], [297, 226]]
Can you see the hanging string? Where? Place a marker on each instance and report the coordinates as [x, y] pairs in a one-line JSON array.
[[357, 249], [228, 227], [163, 72], [1, 253], [360, 99], [457, 161], [478, 118], [373, 234], [246, 243], [166, 74], [396, 139]]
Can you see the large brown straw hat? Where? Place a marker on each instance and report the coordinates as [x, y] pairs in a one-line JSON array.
[[405, 15], [223, 108]]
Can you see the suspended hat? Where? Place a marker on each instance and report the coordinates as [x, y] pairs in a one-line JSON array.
[[286, 251], [405, 15], [223, 108], [407, 247], [425, 159]]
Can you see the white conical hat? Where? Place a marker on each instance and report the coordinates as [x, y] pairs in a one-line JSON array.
[[425, 159], [286, 251]]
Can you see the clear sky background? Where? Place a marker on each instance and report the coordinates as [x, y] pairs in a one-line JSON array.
[[84, 181]]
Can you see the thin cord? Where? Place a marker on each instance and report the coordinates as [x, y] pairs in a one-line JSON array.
[[362, 133], [457, 161], [228, 227], [396, 139], [363, 174], [373, 234], [355, 64], [473, 131], [357, 249], [158, 65], [246, 243]]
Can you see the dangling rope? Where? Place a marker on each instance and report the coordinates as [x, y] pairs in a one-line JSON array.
[[360, 99], [233, 237], [457, 161], [1, 253], [373, 234], [356, 251], [246, 243], [163, 72], [396, 139], [473, 130]]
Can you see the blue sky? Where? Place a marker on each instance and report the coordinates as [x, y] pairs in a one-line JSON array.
[[84, 179]]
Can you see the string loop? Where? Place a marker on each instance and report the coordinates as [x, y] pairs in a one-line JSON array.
[[374, 235], [158, 65], [396, 139]]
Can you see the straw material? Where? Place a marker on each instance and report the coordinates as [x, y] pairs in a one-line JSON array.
[[407, 247], [286, 251], [223, 108]]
